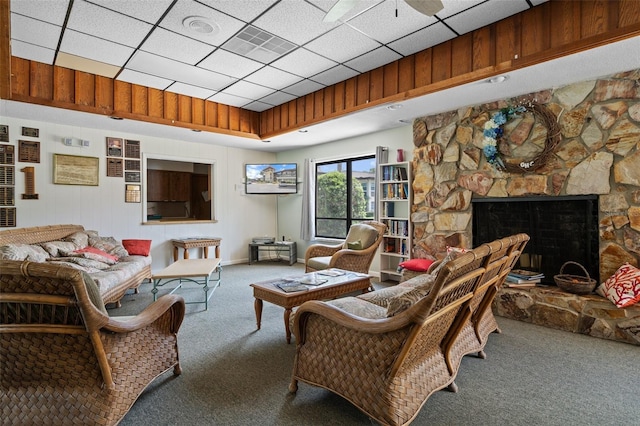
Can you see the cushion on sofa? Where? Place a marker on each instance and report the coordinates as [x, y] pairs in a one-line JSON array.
[[362, 232], [403, 301], [58, 248], [359, 307], [95, 254], [94, 293], [80, 239], [31, 252], [137, 247], [319, 263], [420, 265], [107, 244], [623, 287], [382, 296]]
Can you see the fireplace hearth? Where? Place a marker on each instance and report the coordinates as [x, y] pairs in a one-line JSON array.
[[561, 228]]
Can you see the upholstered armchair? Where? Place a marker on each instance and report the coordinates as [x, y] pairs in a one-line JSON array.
[[63, 360], [355, 254]]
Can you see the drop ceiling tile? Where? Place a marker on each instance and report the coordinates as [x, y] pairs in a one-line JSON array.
[[303, 63], [420, 40], [175, 46], [257, 106], [245, 10], [94, 48], [34, 32], [451, 7], [303, 88], [227, 99], [357, 8], [485, 14], [352, 43], [54, 13], [381, 23], [277, 98], [106, 24], [272, 77], [145, 10], [295, 21], [189, 90], [32, 52], [224, 26], [142, 79], [247, 90], [334, 75], [84, 64], [370, 60], [229, 63]]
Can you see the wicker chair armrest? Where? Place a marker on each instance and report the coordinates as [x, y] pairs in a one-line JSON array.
[[319, 250], [170, 302]]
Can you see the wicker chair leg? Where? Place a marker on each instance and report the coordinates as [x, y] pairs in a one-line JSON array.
[[293, 386], [481, 355], [452, 387], [177, 370]]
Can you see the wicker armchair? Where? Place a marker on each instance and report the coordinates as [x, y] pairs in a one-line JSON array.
[[388, 366], [63, 360], [322, 256]]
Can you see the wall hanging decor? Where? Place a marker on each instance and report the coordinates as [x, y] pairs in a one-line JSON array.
[[75, 170], [28, 151]]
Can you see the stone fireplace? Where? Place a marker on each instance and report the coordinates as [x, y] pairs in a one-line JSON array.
[[598, 156]]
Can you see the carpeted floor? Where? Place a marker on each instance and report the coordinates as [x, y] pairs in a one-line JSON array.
[[234, 374]]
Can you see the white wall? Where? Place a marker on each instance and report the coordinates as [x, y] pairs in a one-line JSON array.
[[290, 206], [102, 208]]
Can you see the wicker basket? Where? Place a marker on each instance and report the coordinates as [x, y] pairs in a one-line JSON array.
[[575, 284]]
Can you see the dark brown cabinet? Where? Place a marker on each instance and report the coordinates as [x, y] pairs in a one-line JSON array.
[[163, 185]]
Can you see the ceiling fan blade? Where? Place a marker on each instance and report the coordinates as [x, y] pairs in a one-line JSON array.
[[339, 9], [426, 7]]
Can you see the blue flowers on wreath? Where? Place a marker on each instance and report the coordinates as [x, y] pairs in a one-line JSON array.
[[493, 131]]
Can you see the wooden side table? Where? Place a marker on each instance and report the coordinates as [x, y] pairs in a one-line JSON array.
[[203, 243]]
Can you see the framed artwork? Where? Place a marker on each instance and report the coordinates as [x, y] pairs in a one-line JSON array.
[[114, 147], [29, 151], [132, 194], [131, 148], [114, 167], [131, 164], [75, 170], [132, 176], [31, 131], [4, 133]]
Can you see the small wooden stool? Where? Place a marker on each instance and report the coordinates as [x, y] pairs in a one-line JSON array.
[[188, 243]]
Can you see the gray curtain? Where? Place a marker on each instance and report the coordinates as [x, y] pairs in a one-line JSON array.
[[308, 222], [382, 156]]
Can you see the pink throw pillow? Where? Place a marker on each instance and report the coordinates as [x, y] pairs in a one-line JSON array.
[[98, 252], [623, 287], [418, 265]]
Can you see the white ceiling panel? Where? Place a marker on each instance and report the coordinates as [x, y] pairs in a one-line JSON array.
[[106, 24], [294, 20], [248, 90], [227, 99], [381, 23], [451, 7], [245, 10], [277, 98], [174, 70], [272, 77], [352, 43], [257, 106], [229, 63], [143, 79], [374, 59], [484, 14], [334, 75], [303, 62], [420, 40], [146, 10], [358, 7], [189, 90], [36, 32], [54, 13], [302, 88], [94, 48], [175, 46], [32, 52], [224, 26]]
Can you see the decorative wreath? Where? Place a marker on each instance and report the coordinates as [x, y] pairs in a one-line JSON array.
[[493, 134]]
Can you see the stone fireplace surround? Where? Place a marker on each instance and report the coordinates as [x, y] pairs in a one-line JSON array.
[[599, 154]]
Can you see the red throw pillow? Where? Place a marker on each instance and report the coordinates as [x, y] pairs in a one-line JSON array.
[[137, 247], [419, 265], [97, 251], [623, 287]]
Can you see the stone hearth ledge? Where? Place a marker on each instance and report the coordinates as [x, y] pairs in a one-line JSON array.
[[551, 307]]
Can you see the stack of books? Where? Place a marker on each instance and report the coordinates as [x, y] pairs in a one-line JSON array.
[[523, 278]]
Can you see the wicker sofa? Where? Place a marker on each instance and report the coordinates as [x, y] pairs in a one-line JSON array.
[[63, 360], [387, 351], [44, 244]]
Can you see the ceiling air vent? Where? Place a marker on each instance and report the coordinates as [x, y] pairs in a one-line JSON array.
[[259, 45], [201, 25]]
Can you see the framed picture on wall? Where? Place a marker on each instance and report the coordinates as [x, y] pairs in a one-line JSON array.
[[114, 147], [75, 170]]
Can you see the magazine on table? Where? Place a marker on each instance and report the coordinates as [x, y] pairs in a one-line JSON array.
[[526, 275], [331, 272], [291, 286]]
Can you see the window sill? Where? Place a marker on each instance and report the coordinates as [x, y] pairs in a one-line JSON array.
[[178, 221]]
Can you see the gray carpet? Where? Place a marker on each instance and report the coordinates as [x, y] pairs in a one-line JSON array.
[[234, 374]]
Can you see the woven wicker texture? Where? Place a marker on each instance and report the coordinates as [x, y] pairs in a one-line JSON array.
[[62, 361], [388, 368], [350, 260]]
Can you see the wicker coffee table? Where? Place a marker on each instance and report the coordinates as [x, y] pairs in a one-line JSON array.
[[332, 288]]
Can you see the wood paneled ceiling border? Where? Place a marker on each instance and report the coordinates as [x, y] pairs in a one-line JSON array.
[[551, 30]]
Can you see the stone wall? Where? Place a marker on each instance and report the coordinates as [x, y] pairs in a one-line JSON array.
[[598, 153]]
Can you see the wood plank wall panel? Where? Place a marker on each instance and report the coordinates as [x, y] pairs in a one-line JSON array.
[[628, 12], [507, 40], [564, 25], [292, 113], [284, 115], [41, 81], [461, 55], [184, 108], [197, 111], [406, 80], [536, 36], [350, 93], [362, 88], [423, 68], [122, 97], [594, 18], [390, 79], [338, 96], [328, 101], [170, 106], [5, 50], [441, 62], [299, 111], [156, 103], [104, 93], [376, 84], [277, 112], [246, 125], [20, 76], [85, 84], [318, 104], [308, 107], [234, 118], [223, 116], [140, 100], [483, 50], [64, 85]]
